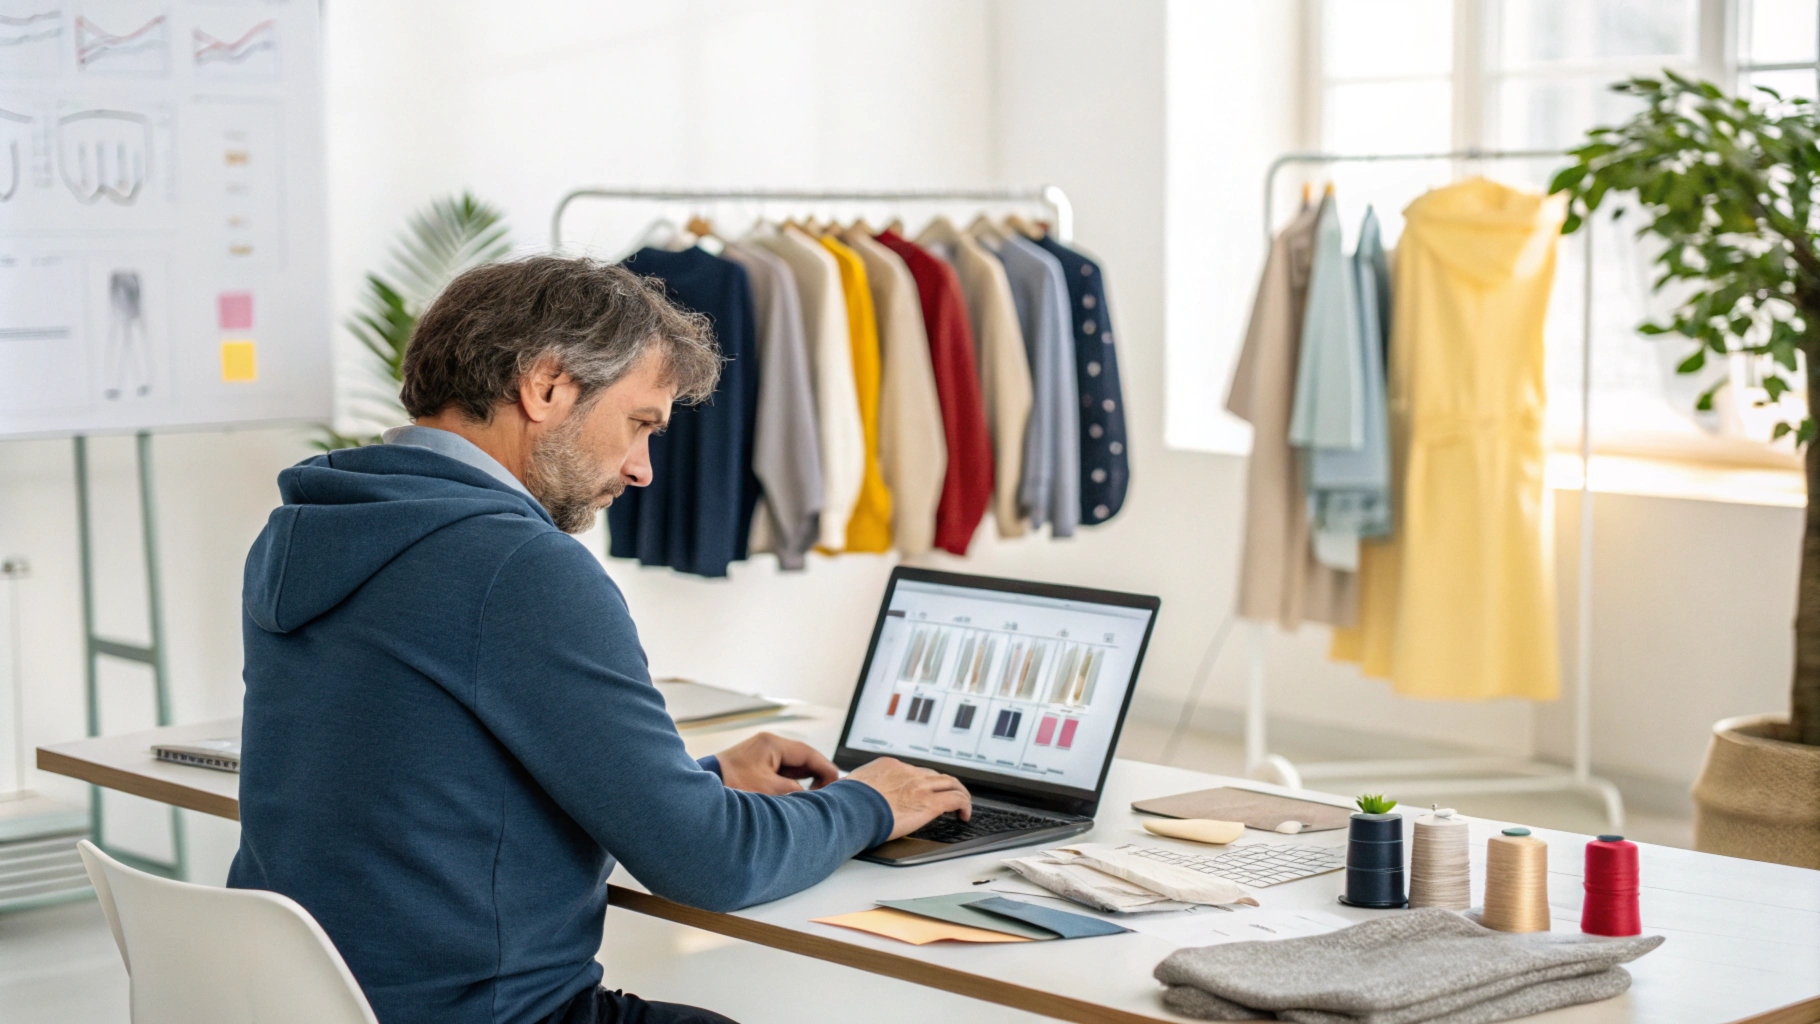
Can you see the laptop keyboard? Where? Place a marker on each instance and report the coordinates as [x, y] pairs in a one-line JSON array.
[[986, 821]]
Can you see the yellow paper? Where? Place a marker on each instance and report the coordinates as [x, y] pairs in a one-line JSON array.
[[913, 928], [239, 362]]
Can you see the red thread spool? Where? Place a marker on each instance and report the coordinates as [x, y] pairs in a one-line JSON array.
[[1610, 907]]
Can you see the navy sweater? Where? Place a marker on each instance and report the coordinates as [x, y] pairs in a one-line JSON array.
[[697, 514], [450, 735]]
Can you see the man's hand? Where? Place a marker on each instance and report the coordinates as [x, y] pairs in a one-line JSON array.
[[916, 795], [768, 763]]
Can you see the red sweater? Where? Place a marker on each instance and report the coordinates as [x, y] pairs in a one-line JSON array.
[[967, 488]]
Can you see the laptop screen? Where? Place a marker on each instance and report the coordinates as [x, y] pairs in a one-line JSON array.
[[1026, 683]]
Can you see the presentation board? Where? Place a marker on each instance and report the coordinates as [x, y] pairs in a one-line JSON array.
[[162, 215]]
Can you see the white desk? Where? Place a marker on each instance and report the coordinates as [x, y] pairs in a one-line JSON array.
[[1743, 937]]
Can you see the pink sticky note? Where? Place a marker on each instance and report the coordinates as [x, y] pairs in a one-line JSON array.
[[1067, 737], [235, 310]]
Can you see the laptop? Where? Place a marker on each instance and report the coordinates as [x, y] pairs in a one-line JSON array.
[[1017, 689]]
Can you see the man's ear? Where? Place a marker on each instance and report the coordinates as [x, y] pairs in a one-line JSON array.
[[546, 392]]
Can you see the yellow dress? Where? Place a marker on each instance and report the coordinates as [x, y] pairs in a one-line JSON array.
[[1459, 603], [869, 529]]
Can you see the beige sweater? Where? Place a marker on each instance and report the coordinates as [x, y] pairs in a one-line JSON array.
[[912, 450], [1004, 366], [839, 430]]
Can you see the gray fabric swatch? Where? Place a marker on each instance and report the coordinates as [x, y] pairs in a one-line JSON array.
[[953, 909], [1061, 922], [1428, 965]]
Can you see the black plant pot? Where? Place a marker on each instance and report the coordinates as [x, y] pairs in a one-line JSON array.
[[1374, 862]]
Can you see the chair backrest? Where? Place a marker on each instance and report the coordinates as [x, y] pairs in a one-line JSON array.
[[201, 955]]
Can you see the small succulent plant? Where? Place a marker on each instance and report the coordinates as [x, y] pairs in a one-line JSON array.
[[1375, 803]]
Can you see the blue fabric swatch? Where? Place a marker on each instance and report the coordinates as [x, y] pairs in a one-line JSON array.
[[1061, 922]]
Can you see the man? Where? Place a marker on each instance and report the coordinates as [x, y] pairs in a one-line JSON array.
[[450, 734]]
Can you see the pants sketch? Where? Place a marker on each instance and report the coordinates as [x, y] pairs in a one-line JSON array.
[[126, 366]]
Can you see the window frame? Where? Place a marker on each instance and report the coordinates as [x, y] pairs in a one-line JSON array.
[[1478, 80]]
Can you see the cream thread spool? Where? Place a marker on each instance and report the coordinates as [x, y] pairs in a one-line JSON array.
[[1440, 862], [1516, 882]]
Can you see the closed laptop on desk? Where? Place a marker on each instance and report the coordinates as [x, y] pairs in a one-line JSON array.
[[1018, 689]]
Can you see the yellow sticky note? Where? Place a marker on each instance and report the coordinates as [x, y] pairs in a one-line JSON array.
[[239, 362], [913, 928]]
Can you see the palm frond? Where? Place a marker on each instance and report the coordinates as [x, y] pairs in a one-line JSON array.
[[452, 234]]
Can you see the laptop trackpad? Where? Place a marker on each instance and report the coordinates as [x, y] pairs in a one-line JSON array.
[[898, 849]]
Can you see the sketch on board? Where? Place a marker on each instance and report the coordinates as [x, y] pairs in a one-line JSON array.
[[104, 154], [128, 368], [13, 130], [40, 332], [250, 53], [29, 41], [136, 46]]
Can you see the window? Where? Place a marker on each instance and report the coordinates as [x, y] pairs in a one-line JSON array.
[[1431, 76]]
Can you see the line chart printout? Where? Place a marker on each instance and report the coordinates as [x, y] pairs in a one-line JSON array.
[[1011, 683], [162, 252]]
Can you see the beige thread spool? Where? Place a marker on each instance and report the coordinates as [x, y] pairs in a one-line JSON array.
[[1440, 862], [1516, 882]]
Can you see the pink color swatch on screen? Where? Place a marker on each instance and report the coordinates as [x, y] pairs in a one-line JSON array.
[[1067, 738], [1046, 731], [235, 310]]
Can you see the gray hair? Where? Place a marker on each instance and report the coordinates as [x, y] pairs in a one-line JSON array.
[[495, 323]]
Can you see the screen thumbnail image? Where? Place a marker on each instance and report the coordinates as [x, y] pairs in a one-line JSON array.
[[977, 661]]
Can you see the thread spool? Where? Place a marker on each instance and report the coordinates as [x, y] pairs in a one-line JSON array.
[[1516, 882], [1611, 881], [1440, 862], [1374, 862]]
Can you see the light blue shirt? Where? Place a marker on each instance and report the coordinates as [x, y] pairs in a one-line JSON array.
[[1050, 491], [446, 442]]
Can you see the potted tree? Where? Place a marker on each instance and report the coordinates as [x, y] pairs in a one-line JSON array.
[[1727, 186]]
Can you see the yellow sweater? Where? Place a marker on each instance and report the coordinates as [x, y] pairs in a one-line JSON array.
[[869, 530], [1459, 603]]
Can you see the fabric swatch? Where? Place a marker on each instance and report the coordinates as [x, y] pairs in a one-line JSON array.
[[913, 928], [953, 908], [1061, 922]]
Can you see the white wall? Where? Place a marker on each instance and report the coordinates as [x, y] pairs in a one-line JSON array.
[[1157, 117]]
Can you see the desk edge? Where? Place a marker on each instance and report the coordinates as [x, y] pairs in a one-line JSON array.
[[875, 961], [124, 781]]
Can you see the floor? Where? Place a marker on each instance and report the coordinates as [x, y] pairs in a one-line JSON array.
[[58, 964]]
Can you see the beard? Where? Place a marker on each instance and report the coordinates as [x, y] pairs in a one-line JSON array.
[[567, 480]]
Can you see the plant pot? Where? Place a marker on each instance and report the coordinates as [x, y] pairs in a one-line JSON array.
[[1758, 795]]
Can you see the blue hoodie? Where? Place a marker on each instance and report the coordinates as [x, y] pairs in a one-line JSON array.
[[450, 735]]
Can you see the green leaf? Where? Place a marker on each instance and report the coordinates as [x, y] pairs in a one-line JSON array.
[[1693, 363], [1805, 435], [439, 242], [1775, 387], [1780, 430], [1375, 803]]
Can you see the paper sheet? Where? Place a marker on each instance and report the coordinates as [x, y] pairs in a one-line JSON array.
[[914, 929], [1212, 926]]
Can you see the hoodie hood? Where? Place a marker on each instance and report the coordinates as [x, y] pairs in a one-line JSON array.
[[1484, 231], [347, 514]]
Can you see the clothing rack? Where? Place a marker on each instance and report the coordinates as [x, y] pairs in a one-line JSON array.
[[1483, 774], [1051, 196]]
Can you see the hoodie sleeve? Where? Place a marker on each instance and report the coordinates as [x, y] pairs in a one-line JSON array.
[[561, 680]]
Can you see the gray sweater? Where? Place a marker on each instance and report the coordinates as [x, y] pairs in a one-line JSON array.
[[1429, 965]]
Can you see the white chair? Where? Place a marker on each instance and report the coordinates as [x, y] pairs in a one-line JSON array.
[[201, 955]]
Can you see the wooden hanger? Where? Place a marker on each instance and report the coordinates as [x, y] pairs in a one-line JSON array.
[[1023, 227], [699, 226], [1307, 192]]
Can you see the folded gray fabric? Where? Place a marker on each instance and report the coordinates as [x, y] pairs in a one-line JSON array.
[[1428, 965]]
